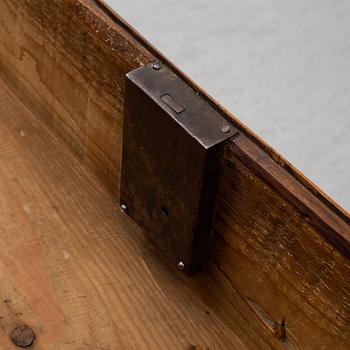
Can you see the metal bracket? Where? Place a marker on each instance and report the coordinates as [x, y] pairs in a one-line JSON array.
[[172, 142]]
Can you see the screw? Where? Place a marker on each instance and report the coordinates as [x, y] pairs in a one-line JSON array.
[[180, 265], [157, 66], [124, 208], [225, 129], [23, 336]]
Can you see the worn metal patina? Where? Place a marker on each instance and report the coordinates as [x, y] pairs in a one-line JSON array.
[[171, 149]]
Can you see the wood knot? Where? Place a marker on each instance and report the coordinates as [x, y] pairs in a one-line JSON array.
[[23, 336]]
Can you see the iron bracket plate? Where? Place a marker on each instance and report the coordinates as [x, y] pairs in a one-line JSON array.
[[172, 142]]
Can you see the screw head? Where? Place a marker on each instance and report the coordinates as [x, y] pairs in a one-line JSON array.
[[124, 208], [225, 129], [23, 336], [157, 66], [180, 265]]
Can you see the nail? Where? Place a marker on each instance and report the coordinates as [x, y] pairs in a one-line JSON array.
[[180, 265], [225, 129], [157, 66], [23, 336]]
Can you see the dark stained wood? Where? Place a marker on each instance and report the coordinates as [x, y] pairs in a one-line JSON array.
[[278, 276], [334, 228], [276, 259]]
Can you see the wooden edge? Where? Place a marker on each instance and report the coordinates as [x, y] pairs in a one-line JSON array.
[[104, 24], [322, 212], [334, 229], [278, 158]]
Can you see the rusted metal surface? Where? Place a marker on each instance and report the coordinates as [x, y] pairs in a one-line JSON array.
[[171, 149]]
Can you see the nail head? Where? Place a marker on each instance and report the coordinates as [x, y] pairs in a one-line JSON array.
[[23, 336], [157, 66], [225, 129], [124, 208], [180, 265]]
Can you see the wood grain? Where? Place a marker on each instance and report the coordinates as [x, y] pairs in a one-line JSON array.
[[68, 65], [73, 269], [275, 257], [334, 227]]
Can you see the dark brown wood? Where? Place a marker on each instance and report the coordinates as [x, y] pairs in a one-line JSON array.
[[277, 260], [334, 228], [275, 257]]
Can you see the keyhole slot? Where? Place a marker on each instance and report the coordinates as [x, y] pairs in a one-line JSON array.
[[164, 210]]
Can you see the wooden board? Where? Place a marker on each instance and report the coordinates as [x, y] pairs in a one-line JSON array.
[[73, 268], [280, 247], [273, 256]]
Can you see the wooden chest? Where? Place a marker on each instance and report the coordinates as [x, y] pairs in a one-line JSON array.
[[77, 273]]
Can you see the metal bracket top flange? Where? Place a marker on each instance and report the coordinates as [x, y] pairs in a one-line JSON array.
[[172, 142]]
